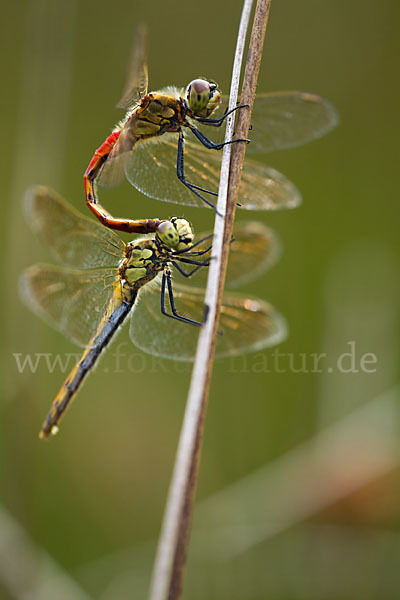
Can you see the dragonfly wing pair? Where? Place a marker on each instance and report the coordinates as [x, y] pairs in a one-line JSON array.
[[282, 120], [246, 324], [71, 300], [73, 239], [137, 79], [254, 250]]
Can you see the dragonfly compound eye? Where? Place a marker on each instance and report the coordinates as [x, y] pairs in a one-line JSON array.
[[168, 234], [202, 97]]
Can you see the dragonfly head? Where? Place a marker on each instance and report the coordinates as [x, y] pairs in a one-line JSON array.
[[202, 97], [177, 234]]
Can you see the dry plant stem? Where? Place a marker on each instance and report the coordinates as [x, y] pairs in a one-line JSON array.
[[244, 117], [171, 555]]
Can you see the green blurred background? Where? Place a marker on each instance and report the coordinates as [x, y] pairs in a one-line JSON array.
[[299, 485]]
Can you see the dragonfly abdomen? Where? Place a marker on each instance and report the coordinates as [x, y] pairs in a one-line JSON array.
[[99, 157], [107, 328]]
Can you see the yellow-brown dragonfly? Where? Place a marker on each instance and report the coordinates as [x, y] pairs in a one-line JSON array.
[[100, 279], [162, 148]]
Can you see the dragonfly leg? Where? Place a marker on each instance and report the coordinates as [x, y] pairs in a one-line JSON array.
[[207, 143], [188, 261], [185, 273], [166, 281], [218, 122], [202, 252], [199, 263], [199, 253], [180, 171]]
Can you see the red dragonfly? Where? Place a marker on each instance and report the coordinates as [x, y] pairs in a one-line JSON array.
[[162, 149]]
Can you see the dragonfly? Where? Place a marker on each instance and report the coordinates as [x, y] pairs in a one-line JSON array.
[[100, 278], [162, 144]]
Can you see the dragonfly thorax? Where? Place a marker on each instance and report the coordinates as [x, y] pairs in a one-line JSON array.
[[202, 97], [140, 263]]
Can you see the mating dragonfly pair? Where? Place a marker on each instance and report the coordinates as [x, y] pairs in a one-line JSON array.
[[101, 277]]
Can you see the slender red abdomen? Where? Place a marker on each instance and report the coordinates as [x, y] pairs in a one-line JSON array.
[[89, 178], [99, 158]]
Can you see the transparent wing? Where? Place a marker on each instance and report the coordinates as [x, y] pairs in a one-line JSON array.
[[73, 239], [264, 188], [246, 324], [72, 301], [288, 119], [255, 249], [151, 168], [137, 79], [112, 171], [281, 120]]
